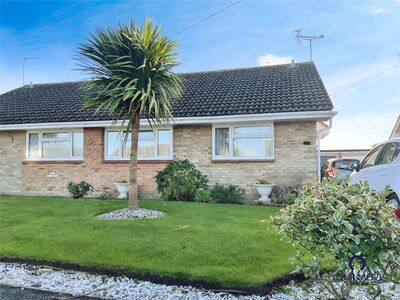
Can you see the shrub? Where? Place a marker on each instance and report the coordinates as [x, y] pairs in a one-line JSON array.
[[79, 190], [180, 180], [276, 195], [262, 181], [334, 221], [283, 196], [289, 198], [227, 193], [202, 195]]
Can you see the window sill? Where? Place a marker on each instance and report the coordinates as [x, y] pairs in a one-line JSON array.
[[35, 162], [126, 161], [241, 160]]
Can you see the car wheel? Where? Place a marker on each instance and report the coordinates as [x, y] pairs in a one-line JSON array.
[[393, 200]]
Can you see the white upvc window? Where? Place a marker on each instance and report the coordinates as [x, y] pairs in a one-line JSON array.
[[54, 145], [153, 144], [243, 142]]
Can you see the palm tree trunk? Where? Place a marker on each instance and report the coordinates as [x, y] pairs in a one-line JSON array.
[[133, 202]]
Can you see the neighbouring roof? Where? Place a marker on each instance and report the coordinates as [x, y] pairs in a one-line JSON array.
[[258, 90], [396, 129]]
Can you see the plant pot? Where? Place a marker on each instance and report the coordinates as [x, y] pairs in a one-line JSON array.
[[123, 189], [264, 190]]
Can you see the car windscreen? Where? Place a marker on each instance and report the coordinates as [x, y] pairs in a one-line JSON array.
[[345, 163]]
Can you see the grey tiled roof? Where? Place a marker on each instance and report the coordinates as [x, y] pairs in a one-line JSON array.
[[271, 89]]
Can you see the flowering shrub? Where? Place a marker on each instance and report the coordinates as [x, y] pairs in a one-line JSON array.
[[334, 221]]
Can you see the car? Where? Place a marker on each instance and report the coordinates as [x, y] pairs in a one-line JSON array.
[[381, 168], [340, 167]]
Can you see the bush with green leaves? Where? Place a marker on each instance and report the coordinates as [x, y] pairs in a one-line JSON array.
[[180, 180], [202, 195], [334, 221], [283, 196], [227, 193], [79, 190]]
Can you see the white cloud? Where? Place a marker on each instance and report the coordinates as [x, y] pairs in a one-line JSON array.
[[380, 10], [271, 59]]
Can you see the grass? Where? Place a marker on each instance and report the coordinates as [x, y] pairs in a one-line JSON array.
[[227, 245]]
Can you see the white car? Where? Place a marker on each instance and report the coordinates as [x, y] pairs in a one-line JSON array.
[[381, 167]]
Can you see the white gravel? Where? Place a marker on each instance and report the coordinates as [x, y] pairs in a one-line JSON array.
[[100, 286], [81, 283], [125, 213]]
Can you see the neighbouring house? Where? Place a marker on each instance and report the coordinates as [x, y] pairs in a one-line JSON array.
[[235, 125], [396, 129], [343, 153]]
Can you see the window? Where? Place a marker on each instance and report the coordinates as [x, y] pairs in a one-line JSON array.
[[152, 145], [243, 142], [221, 141], [390, 153], [371, 159], [55, 145]]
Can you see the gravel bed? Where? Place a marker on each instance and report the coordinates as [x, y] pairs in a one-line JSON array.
[[105, 287], [125, 213], [81, 283]]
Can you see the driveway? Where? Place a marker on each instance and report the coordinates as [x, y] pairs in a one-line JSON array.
[[15, 293]]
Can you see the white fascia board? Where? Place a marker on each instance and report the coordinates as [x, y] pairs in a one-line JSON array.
[[275, 117]]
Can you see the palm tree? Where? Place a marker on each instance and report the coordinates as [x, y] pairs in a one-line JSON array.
[[131, 69]]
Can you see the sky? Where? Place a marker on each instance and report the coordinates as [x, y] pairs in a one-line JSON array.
[[362, 39]]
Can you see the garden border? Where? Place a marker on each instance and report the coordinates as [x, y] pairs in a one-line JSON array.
[[262, 290]]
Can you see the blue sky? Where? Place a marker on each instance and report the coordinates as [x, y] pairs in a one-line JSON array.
[[361, 38]]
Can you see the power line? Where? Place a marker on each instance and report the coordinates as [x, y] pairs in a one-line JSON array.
[[366, 79], [206, 18]]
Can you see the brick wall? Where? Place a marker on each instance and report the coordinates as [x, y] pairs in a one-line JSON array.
[[294, 162], [12, 152], [40, 178]]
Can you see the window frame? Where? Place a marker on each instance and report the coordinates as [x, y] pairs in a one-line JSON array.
[[232, 136], [40, 142], [120, 138]]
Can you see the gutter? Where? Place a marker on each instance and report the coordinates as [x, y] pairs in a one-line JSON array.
[[319, 132], [229, 119]]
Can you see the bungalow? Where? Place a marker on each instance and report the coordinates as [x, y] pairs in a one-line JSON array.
[[235, 125]]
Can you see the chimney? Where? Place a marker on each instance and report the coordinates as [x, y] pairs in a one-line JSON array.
[[31, 85], [292, 63]]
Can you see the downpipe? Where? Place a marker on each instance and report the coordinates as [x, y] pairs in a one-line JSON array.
[[319, 132]]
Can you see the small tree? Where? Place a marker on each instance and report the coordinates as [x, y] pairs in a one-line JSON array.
[[132, 75]]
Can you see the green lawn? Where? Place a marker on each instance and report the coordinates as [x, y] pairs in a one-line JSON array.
[[229, 245]]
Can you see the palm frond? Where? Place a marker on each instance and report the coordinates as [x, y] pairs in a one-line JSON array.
[[131, 69]]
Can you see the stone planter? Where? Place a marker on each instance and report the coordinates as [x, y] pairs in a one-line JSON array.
[[264, 190], [123, 189]]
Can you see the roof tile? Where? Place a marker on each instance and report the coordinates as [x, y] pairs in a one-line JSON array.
[[271, 89]]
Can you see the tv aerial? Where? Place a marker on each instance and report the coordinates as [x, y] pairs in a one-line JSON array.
[[24, 59], [306, 37]]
